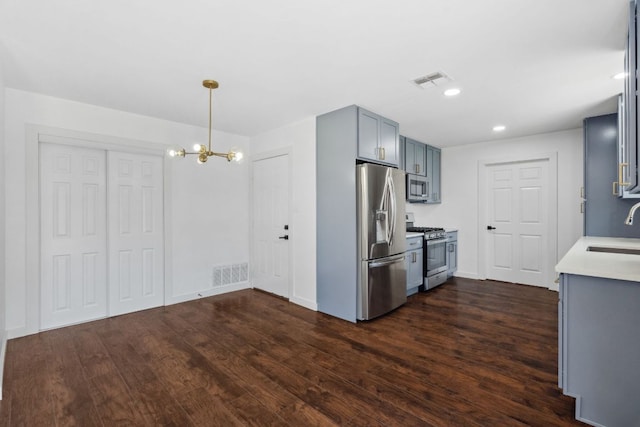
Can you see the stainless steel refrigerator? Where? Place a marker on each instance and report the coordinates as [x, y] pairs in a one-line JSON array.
[[382, 277]]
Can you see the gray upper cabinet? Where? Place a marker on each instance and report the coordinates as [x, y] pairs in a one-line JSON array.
[[422, 160], [627, 184], [414, 157], [433, 174], [378, 138]]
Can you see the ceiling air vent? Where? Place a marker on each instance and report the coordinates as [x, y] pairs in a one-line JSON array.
[[430, 80]]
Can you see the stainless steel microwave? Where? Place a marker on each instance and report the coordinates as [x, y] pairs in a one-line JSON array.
[[418, 188]]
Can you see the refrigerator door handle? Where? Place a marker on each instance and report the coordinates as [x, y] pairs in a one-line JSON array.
[[394, 217], [387, 204], [390, 193]]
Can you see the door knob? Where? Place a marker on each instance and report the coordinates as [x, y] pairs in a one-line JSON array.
[[285, 237], [490, 227]]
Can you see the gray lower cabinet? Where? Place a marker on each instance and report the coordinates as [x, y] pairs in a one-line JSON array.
[[452, 252], [414, 264], [599, 348], [378, 138]]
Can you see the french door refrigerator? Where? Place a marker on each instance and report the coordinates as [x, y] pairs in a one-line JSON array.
[[381, 233]]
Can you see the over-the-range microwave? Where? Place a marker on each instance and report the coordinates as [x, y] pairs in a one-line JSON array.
[[418, 188]]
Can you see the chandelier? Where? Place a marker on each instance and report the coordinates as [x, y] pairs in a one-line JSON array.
[[204, 151]]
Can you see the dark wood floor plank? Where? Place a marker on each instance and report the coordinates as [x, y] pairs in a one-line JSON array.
[[30, 371], [270, 394], [206, 409], [469, 353], [70, 390], [150, 396]]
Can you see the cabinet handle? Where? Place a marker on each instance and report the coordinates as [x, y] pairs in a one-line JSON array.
[[382, 153], [621, 181], [614, 188], [413, 257], [582, 192], [417, 168], [582, 207]]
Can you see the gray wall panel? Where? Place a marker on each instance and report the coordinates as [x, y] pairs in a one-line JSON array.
[[336, 144]]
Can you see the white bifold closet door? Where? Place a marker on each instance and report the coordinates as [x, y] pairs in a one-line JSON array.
[[101, 215]]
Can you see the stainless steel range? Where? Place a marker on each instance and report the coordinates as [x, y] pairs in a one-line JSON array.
[[435, 253]]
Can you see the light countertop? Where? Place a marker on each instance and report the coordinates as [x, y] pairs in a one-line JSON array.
[[602, 264]]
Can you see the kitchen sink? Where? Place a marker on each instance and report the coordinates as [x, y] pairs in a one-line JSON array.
[[613, 250]]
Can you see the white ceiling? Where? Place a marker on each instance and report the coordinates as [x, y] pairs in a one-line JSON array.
[[534, 66]]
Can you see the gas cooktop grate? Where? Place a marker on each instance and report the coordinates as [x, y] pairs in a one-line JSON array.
[[424, 229]]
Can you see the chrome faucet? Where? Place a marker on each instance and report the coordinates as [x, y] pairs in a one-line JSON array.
[[632, 211]]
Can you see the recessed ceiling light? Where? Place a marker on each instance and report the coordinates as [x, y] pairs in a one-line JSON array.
[[619, 76], [452, 92], [499, 128]]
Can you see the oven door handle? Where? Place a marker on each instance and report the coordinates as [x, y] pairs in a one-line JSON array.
[[438, 240]]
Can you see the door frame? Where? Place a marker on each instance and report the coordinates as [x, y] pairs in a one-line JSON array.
[[483, 210], [35, 134], [286, 151]]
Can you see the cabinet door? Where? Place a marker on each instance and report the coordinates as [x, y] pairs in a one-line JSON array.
[[452, 257], [421, 159], [368, 134], [409, 155], [378, 138], [435, 180], [429, 171], [415, 157], [433, 174], [631, 106], [389, 136], [414, 268]]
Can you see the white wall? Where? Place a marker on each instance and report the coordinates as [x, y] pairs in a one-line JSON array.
[[209, 203], [300, 139], [459, 191], [460, 203], [2, 232]]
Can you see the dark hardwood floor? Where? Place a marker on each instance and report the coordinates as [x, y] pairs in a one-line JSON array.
[[468, 353]]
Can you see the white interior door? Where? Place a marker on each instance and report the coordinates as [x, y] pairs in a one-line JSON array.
[[73, 281], [518, 213], [136, 242], [270, 224]]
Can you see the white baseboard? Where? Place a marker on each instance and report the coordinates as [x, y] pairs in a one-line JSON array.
[[208, 293], [311, 305], [466, 275], [3, 352], [18, 332]]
